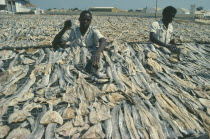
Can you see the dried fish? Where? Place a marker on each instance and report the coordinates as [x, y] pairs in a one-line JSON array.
[[51, 117], [31, 51], [10, 90], [69, 113], [46, 79], [4, 130], [5, 54], [8, 78], [137, 123], [3, 110], [205, 102], [129, 122], [31, 122], [41, 57], [94, 131], [206, 121], [109, 88], [26, 61], [61, 80], [19, 133], [67, 129], [71, 95], [115, 122], [50, 130], [14, 61], [108, 128], [18, 116], [122, 126], [78, 121], [38, 130], [164, 97], [90, 90], [24, 88], [93, 116], [115, 97]]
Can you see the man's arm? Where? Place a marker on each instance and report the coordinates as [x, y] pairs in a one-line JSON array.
[[96, 56], [153, 39], [57, 40]]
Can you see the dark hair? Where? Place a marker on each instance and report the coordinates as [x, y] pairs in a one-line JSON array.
[[169, 9], [85, 12]]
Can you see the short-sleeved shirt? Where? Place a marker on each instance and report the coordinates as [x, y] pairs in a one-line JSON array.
[[162, 33], [90, 39]]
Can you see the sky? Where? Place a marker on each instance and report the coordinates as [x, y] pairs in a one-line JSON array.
[[120, 4]]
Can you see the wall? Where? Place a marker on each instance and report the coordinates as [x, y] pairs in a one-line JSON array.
[[153, 10], [17, 6], [11, 6], [2, 2], [20, 7], [100, 9]]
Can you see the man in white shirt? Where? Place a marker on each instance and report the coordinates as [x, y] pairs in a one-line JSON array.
[[161, 32], [83, 36]]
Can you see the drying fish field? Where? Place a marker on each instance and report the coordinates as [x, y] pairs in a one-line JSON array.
[[31, 30], [139, 91]]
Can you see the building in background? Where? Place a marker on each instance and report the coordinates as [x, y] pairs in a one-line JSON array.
[[153, 10], [182, 11], [16, 5], [142, 10], [202, 14], [207, 13], [105, 9], [3, 5], [192, 9]]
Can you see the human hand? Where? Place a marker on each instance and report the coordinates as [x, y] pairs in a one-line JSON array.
[[172, 42], [96, 58], [173, 48], [67, 24]]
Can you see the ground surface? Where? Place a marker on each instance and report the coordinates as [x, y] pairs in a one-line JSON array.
[[139, 91]]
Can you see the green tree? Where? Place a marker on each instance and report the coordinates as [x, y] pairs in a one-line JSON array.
[[75, 9], [199, 8]]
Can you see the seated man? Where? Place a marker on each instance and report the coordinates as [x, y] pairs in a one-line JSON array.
[[161, 31], [83, 36]]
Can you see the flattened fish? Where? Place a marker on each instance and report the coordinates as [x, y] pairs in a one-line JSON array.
[[19, 133], [67, 129], [18, 116], [115, 122], [94, 131], [4, 130], [79, 121], [69, 113], [51, 117]]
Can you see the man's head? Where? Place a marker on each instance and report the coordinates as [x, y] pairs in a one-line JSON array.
[[85, 19], [169, 13]]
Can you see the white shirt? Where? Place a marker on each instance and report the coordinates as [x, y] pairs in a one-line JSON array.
[[161, 32], [90, 39]]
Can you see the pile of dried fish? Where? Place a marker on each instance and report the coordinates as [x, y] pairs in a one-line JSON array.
[[33, 30], [139, 91]]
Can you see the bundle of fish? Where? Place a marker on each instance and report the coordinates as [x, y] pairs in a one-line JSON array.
[[29, 30], [138, 91]]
